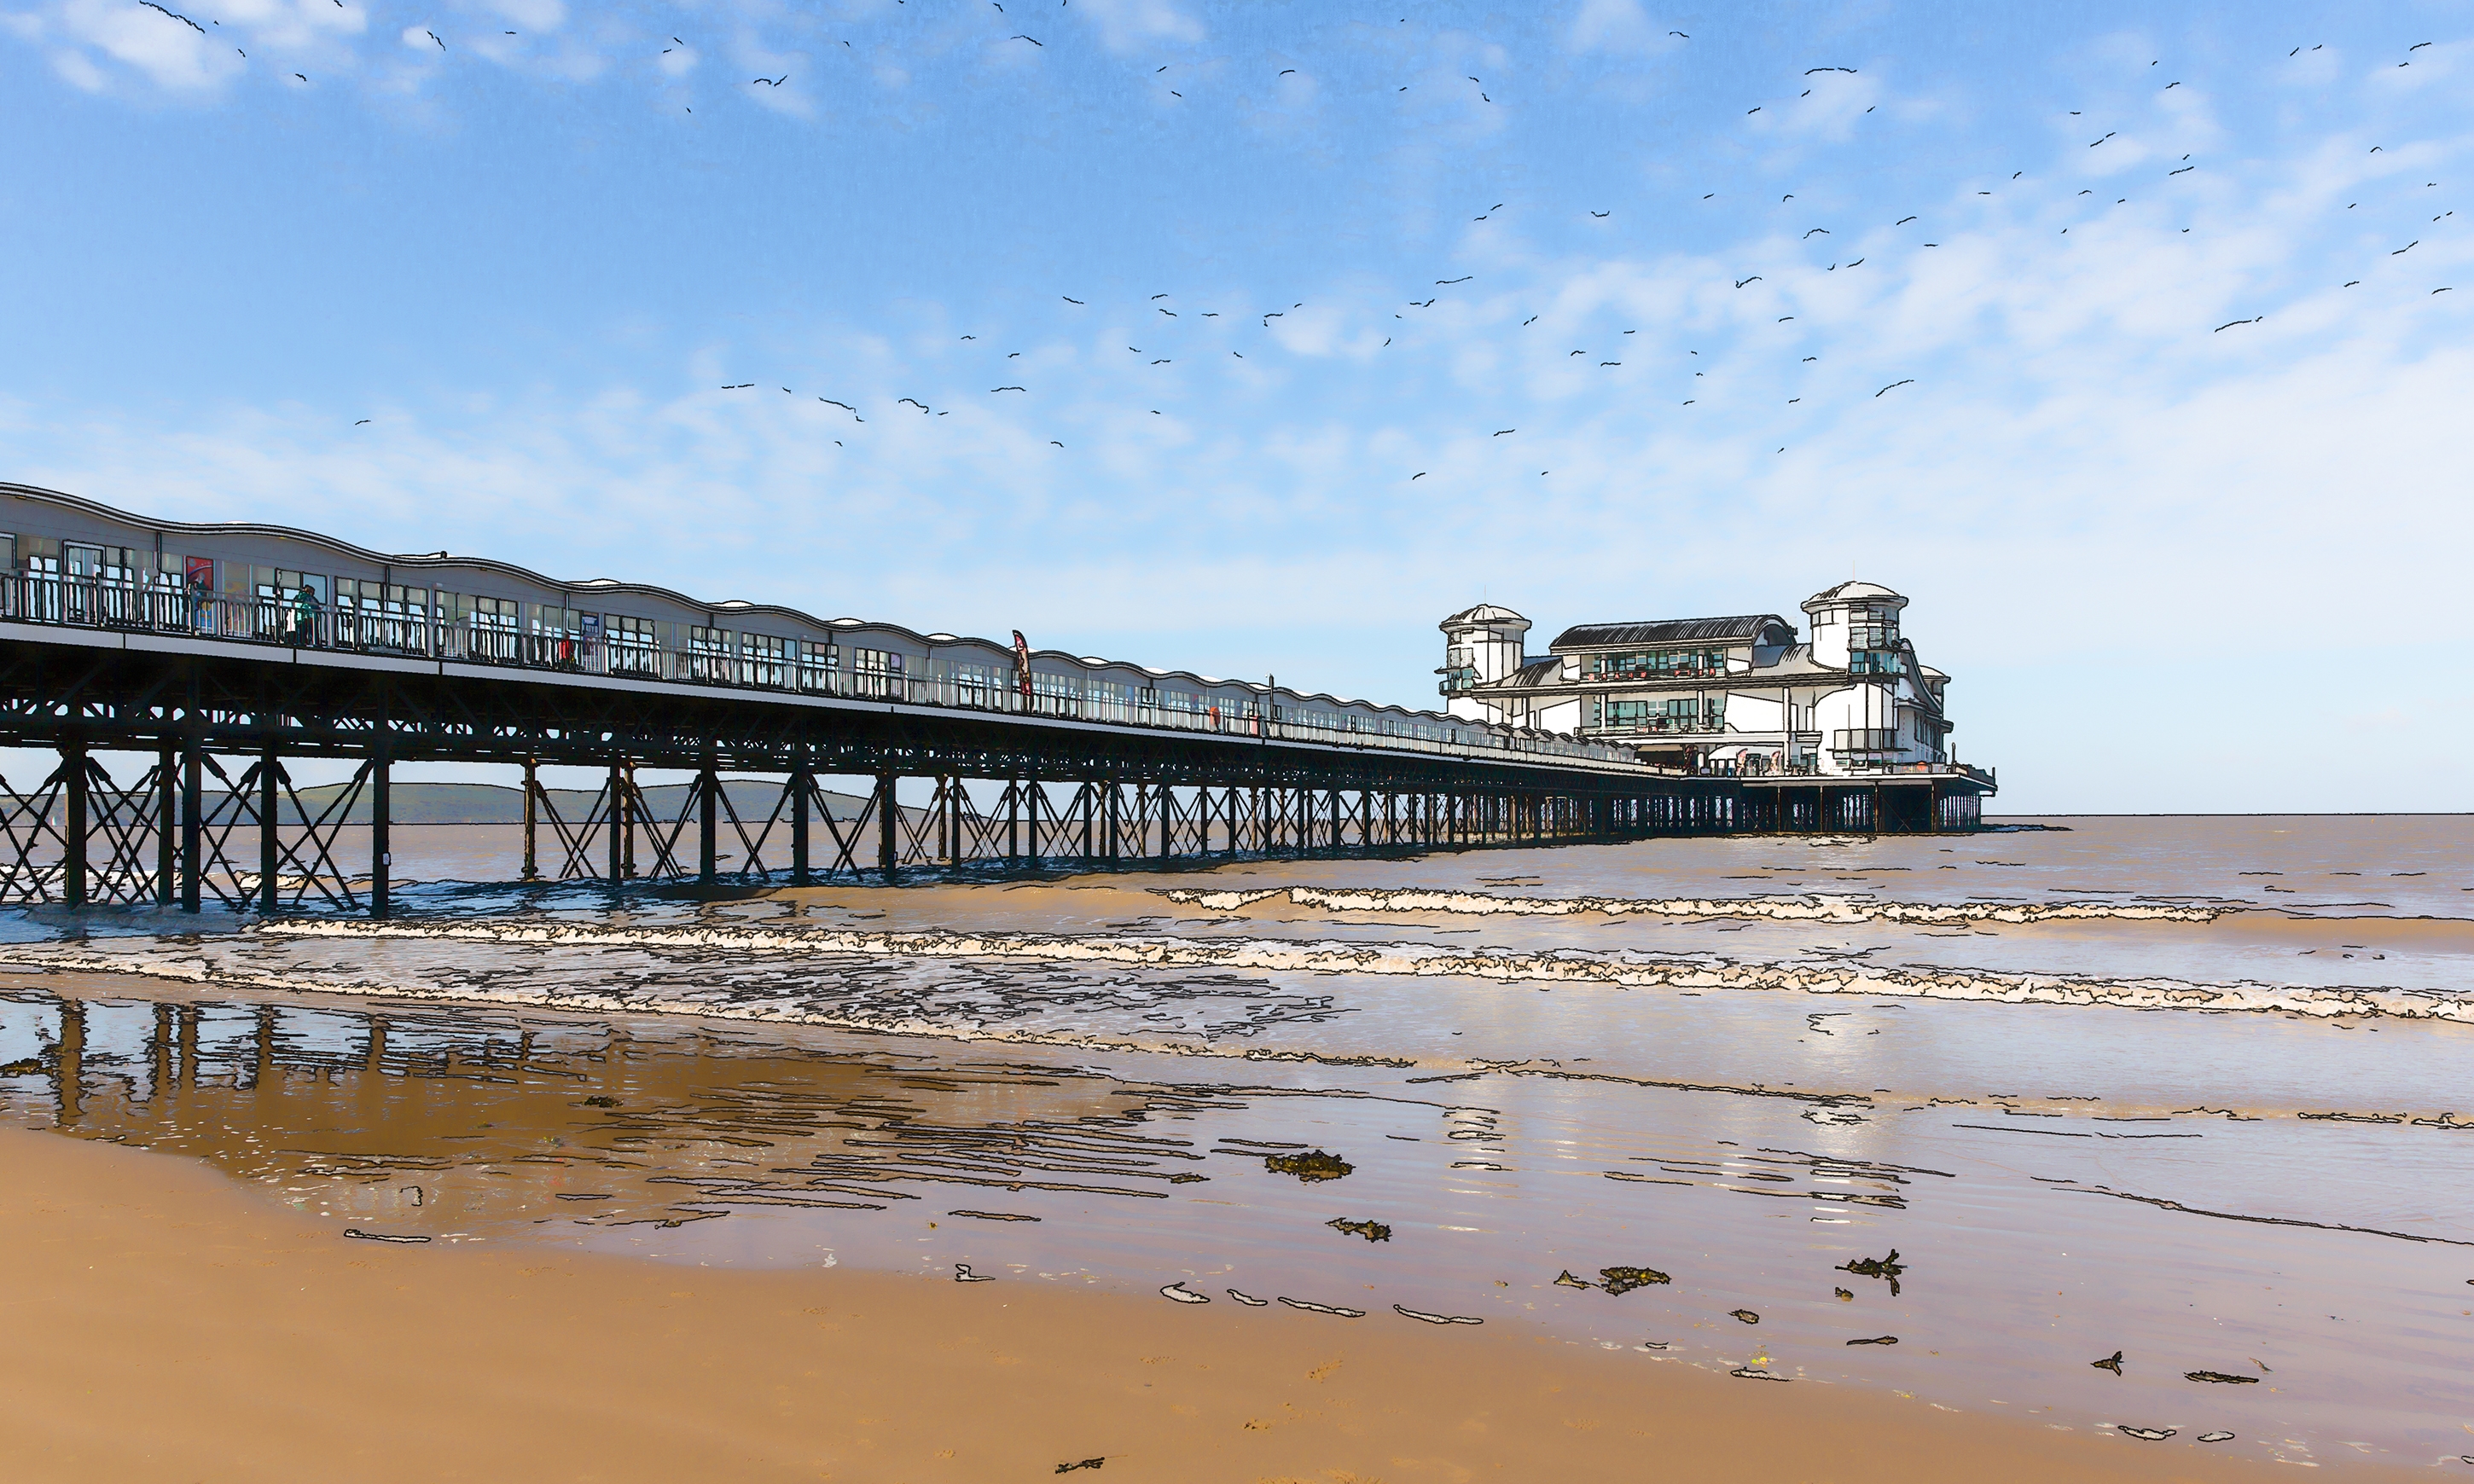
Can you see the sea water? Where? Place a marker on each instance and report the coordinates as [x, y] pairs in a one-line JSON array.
[[2188, 1090]]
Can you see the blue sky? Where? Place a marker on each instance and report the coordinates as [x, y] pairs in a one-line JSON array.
[[2172, 565]]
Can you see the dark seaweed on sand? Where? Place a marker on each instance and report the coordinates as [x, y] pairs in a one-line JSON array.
[[1371, 1231], [1889, 1267], [2221, 1378], [1626, 1280], [1316, 1165]]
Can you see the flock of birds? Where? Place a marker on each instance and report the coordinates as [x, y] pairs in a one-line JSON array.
[[1172, 341], [1173, 338]]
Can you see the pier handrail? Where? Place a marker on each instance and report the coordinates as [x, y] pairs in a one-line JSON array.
[[169, 610]]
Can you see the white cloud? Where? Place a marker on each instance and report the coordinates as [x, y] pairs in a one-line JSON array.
[[1617, 26], [1128, 24], [170, 52]]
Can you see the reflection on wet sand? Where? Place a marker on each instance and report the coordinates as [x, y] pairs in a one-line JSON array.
[[474, 1124]]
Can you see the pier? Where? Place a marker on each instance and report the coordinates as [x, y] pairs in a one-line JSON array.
[[176, 671]]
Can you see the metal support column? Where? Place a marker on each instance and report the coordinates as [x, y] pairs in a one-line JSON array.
[[614, 821], [801, 784], [1030, 797], [381, 807], [707, 817], [73, 834], [193, 767], [1113, 852], [532, 791], [888, 843], [167, 823], [269, 843], [954, 797]]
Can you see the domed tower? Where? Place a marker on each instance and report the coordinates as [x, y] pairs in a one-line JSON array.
[[1856, 628], [1481, 644]]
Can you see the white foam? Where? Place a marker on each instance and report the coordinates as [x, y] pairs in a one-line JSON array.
[[1806, 908], [1426, 959]]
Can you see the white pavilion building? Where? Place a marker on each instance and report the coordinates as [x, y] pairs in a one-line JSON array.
[[1737, 695]]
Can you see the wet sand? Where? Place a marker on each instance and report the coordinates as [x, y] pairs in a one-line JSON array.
[[172, 1325]]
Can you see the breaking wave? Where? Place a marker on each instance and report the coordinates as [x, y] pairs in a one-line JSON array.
[[1812, 907], [1407, 960]]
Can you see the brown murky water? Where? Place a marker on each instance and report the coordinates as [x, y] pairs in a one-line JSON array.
[[2100, 1088]]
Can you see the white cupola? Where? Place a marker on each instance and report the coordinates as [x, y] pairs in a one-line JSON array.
[[1481, 645], [1856, 626]]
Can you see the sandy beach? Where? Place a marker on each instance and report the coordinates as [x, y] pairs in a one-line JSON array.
[[174, 1325]]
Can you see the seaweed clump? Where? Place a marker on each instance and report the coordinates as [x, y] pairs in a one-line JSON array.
[[1313, 1167], [1371, 1231], [1621, 1281], [1889, 1267], [2221, 1378]]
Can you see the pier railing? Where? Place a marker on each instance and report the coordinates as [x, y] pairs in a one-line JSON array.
[[135, 606]]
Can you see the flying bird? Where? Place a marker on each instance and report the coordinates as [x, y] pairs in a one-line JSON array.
[[433, 36], [1823, 231], [1679, 34], [771, 82], [1054, 443], [2230, 324], [1754, 278], [993, 391], [1414, 478], [1904, 220], [362, 424], [1895, 385], [913, 402], [1070, 300], [176, 15], [1036, 41], [1447, 282], [2409, 245], [1285, 71], [1601, 213], [1507, 430], [844, 406]]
